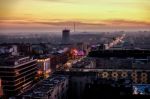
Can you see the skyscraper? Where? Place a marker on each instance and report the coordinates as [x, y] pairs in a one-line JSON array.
[[65, 36]]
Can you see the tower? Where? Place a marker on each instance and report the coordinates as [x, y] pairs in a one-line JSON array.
[[65, 36]]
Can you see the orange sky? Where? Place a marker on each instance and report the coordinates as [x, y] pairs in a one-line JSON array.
[[93, 14]]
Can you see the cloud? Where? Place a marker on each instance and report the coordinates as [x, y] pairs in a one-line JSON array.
[[121, 22], [70, 23], [103, 23]]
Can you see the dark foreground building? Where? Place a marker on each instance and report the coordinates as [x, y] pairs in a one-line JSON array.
[[17, 74]]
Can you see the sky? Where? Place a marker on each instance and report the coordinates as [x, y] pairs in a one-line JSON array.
[[87, 15]]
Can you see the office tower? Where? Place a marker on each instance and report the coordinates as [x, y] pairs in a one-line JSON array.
[[66, 36], [17, 74]]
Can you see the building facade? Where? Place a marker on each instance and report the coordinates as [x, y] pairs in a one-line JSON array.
[[17, 74], [43, 66]]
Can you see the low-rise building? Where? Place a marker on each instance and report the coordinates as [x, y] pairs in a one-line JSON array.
[[54, 87]]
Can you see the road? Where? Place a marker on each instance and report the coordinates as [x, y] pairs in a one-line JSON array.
[[115, 42]]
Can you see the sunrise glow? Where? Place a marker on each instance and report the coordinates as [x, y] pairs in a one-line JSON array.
[[100, 13]]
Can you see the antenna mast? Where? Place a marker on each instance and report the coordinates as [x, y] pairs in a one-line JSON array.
[[74, 26]]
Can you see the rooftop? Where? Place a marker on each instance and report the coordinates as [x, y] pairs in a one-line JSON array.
[[44, 87], [113, 63], [12, 60], [120, 53], [83, 63]]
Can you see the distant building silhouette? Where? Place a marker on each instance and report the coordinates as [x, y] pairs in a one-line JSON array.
[[65, 36]]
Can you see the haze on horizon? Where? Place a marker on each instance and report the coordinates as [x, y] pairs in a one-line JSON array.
[[88, 15]]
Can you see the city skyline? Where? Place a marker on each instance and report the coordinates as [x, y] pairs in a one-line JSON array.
[[19, 15], [74, 49]]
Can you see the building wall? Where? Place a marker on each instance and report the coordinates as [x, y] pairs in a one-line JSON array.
[[138, 77], [43, 66], [59, 59], [17, 79], [77, 85]]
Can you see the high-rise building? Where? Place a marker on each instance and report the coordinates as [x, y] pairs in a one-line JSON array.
[[66, 36], [17, 74]]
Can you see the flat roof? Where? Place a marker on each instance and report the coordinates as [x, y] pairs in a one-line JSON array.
[[120, 53], [45, 86], [10, 60]]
